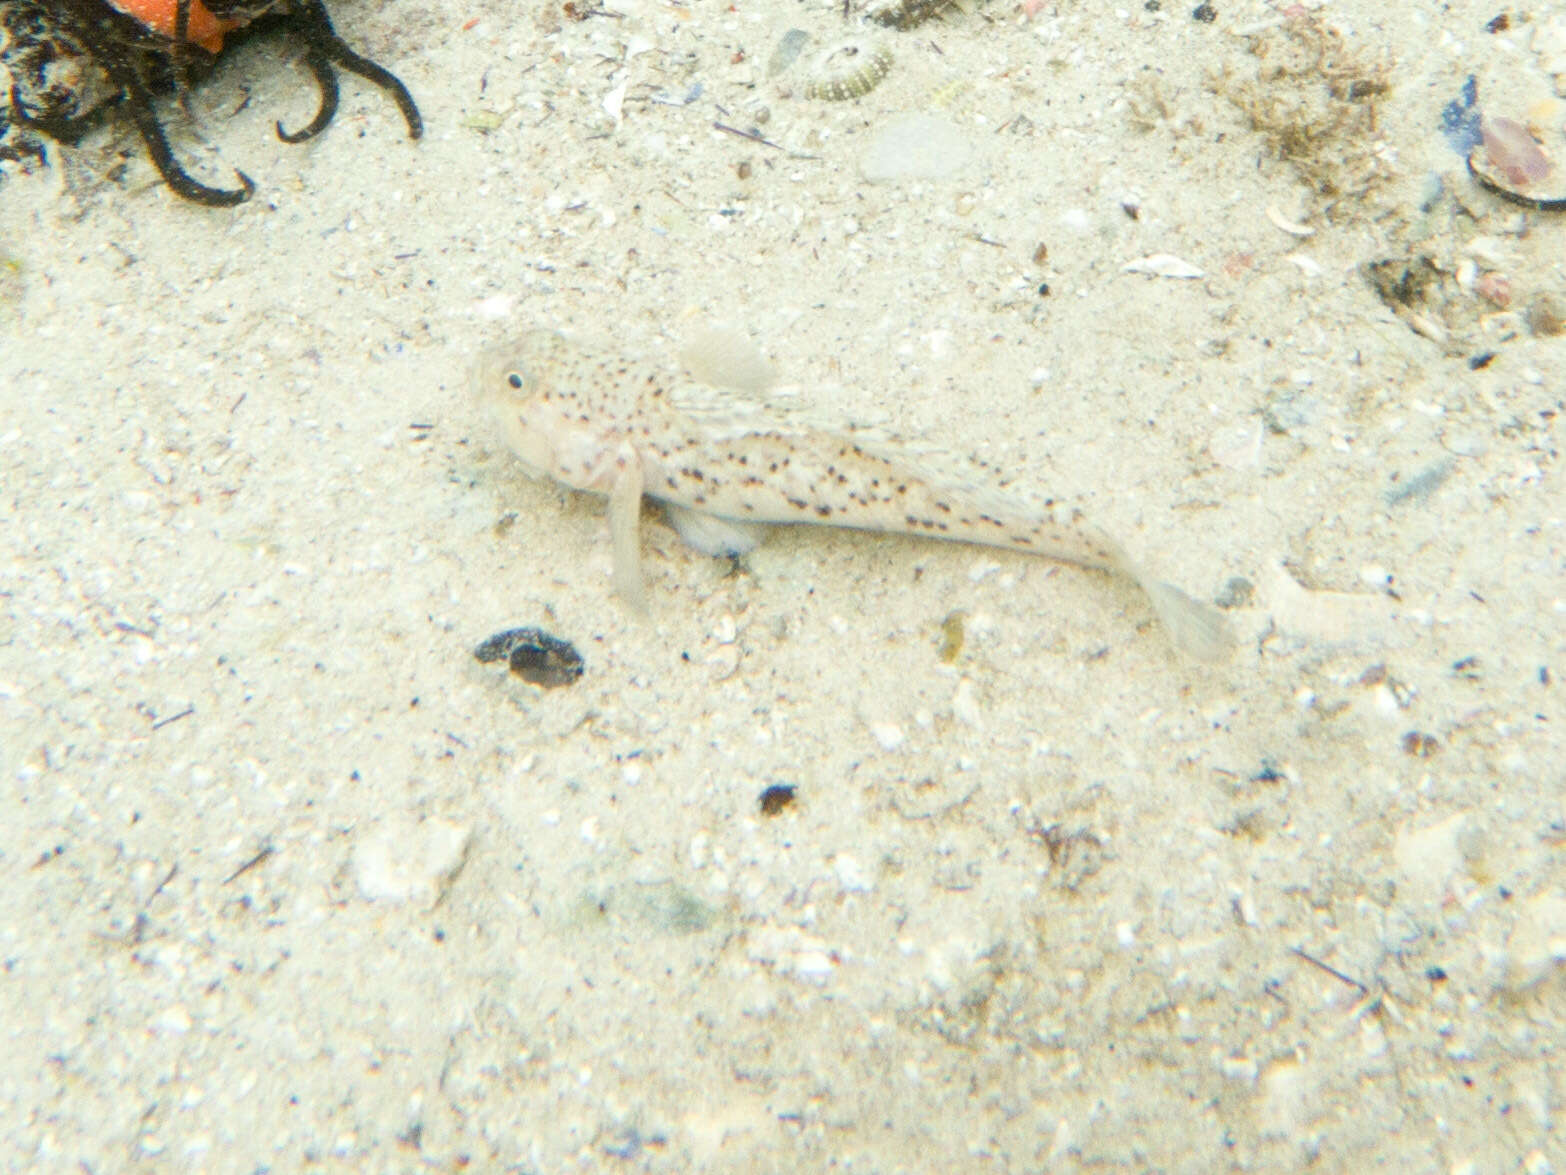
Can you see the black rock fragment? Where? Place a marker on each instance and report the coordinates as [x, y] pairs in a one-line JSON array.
[[534, 656]]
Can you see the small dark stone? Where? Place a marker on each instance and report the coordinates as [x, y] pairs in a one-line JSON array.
[[777, 797], [1236, 593], [534, 656], [1269, 773]]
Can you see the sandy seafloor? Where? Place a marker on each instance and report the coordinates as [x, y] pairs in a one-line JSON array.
[[1043, 905]]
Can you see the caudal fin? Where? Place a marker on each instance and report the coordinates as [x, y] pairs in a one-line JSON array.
[[1199, 630], [1196, 629]]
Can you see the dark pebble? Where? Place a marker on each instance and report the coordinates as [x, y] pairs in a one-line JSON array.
[[777, 797], [534, 656], [1236, 593]]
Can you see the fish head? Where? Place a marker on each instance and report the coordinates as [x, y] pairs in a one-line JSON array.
[[525, 387]]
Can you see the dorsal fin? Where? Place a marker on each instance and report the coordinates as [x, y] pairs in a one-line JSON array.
[[727, 358]]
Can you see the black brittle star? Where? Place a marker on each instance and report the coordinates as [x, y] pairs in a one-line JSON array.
[[311, 23], [140, 61]]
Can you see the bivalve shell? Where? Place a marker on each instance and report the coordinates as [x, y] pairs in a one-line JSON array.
[[1512, 164]]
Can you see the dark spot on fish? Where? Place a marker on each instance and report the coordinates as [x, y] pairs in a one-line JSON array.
[[824, 511], [798, 503], [943, 507], [910, 520]]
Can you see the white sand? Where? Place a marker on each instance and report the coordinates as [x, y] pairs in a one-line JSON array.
[[1035, 908]]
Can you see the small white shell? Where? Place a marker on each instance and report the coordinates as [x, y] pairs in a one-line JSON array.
[[1292, 227], [848, 69], [1164, 265]]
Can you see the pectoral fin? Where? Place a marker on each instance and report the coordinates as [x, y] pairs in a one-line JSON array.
[[625, 517], [712, 535]]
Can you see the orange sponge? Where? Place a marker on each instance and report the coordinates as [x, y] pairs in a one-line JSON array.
[[160, 16]]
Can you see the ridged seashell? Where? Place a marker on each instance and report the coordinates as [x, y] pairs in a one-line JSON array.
[[848, 69]]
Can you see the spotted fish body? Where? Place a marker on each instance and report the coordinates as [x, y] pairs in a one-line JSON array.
[[596, 421]]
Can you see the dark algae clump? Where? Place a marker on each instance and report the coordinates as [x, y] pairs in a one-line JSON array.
[[534, 656]]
